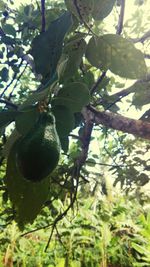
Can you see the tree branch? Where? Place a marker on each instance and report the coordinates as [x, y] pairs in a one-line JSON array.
[[8, 103], [97, 83], [142, 39], [85, 138], [43, 16], [118, 122], [123, 93], [147, 56], [121, 18]]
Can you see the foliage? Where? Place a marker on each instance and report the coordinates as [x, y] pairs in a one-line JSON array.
[[64, 58], [112, 232]]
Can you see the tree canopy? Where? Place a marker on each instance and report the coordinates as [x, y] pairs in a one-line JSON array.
[[74, 102]]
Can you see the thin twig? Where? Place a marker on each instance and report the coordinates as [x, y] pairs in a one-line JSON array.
[[59, 237], [12, 80], [97, 83], [141, 39], [8, 85], [121, 18], [61, 216], [110, 165], [8, 103], [81, 17], [17, 80], [85, 137], [147, 56]]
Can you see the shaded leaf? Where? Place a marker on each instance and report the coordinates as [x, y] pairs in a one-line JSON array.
[[36, 96], [26, 120], [141, 95], [74, 50], [50, 43], [27, 197], [117, 54], [1, 55], [4, 74], [102, 8], [8, 40], [7, 117], [10, 141], [64, 124], [74, 96], [82, 9], [9, 29]]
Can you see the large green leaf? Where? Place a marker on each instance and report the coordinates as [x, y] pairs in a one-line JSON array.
[[7, 117], [80, 8], [141, 95], [74, 50], [36, 97], [117, 54], [65, 122], [26, 197], [102, 8], [74, 96], [15, 135], [26, 119], [47, 47], [9, 29]]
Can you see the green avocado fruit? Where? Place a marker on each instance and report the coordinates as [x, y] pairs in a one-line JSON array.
[[27, 197], [39, 151]]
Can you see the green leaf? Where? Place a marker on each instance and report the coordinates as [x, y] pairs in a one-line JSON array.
[[36, 96], [28, 9], [1, 55], [8, 40], [117, 54], [74, 50], [91, 162], [74, 96], [140, 249], [2, 5], [10, 141], [26, 119], [102, 8], [50, 43], [9, 30], [74, 150], [26, 197], [7, 117], [82, 9], [4, 74], [141, 96], [64, 124]]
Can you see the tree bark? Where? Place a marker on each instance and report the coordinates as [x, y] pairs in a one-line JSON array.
[[118, 122]]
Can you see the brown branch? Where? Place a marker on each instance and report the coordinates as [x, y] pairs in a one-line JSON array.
[[121, 18], [75, 2], [85, 138], [142, 39], [147, 56], [8, 103], [97, 83], [43, 16], [118, 122], [123, 93]]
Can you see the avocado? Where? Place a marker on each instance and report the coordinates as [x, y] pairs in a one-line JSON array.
[[38, 151]]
